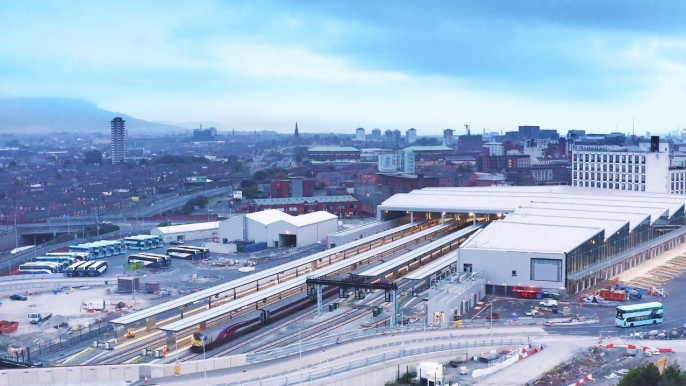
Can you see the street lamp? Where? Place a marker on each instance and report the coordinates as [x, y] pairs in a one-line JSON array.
[[300, 343], [204, 355]]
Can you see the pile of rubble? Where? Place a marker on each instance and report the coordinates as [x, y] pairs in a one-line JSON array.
[[585, 362]]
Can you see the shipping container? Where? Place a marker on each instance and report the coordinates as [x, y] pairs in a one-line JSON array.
[[152, 287], [620, 296], [255, 247], [128, 284]]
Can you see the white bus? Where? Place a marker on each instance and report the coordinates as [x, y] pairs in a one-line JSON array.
[[639, 314], [80, 256], [39, 268], [72, 270], [65, 261], [97, 268], [82, 270]]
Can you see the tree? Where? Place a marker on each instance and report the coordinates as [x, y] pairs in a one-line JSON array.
[[673, 376], [12, 163], [259, 175], [92, 157], [647, 375]]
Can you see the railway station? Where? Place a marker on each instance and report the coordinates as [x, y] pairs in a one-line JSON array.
[[361, 251]]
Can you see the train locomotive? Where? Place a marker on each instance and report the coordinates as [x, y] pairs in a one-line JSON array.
[[220, 335]]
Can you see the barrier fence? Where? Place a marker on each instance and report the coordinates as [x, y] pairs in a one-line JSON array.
[[87, 334], [318, 342], [313, 375]]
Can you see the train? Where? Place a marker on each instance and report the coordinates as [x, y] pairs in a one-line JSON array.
[[218, 336]]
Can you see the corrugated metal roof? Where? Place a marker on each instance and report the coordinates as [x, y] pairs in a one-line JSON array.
[[514, 237], [271, 216], [332, 148], [303, 200], [202, 226], [428, 148]]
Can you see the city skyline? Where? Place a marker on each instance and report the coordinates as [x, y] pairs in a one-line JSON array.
[[336, 67]]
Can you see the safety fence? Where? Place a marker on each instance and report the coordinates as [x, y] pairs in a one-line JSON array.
[[83, 335], [325, 372], [317, 343]]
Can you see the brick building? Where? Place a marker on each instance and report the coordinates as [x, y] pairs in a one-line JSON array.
[[342, 206], [292, 187], [325, 153]]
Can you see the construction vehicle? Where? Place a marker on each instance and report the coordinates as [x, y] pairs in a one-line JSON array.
[[661, 364], [131, 333], [36, 318], [657, 291]]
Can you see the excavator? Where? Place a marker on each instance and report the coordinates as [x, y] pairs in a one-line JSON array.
[[661, 364]]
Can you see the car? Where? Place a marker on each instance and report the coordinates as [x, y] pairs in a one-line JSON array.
[[18, 297], [107, 223], [549, 303]]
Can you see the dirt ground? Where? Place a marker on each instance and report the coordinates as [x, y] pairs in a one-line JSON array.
[[65, 307], [606, 365]]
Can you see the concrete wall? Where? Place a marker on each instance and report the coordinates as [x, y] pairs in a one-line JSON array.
[[449, 302], [7, 240], [221, 248], [498, 266], [20, 283], [87, 375]]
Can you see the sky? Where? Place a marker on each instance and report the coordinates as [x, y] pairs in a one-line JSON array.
[[333, 66]]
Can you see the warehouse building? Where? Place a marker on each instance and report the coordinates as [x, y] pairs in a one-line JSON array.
[[559, 238], [279, 229], [188, 232]]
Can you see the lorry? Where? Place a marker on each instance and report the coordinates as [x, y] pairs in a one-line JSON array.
[[95, 304], [616, 295], [36, 318]]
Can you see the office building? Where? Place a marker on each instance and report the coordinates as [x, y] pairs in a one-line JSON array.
[[359, 135], [410, 136], [448, 137], [118, 131], [643, 168], [207, 135]]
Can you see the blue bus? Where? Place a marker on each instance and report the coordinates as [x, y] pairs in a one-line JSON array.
[[639, 314], [143, 242]]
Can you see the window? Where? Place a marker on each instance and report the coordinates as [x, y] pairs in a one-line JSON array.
[[514, 273]]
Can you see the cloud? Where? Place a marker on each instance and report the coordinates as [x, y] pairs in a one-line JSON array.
[[340, 65]]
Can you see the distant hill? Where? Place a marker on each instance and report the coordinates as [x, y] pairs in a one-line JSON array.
[[68, 115]]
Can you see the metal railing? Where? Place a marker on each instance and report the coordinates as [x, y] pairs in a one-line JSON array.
[[628, 253], [87, 334], [325, 372], [329, 340]]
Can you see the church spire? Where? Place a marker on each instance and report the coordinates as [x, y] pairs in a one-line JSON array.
[[296, 130]]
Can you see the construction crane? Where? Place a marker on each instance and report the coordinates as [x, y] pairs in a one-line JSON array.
[[661, 364]]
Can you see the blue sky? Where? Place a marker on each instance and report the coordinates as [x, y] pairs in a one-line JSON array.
[[335, 66]]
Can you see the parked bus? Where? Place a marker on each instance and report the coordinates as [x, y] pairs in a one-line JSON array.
[[39, 268], [148, 261], [183, 253], [137, 242], [82, 270], [167, 261], [80, 256], [97, 268], [92, 250], [204, 251], [639, 314], [65, 261], [72, 270]]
